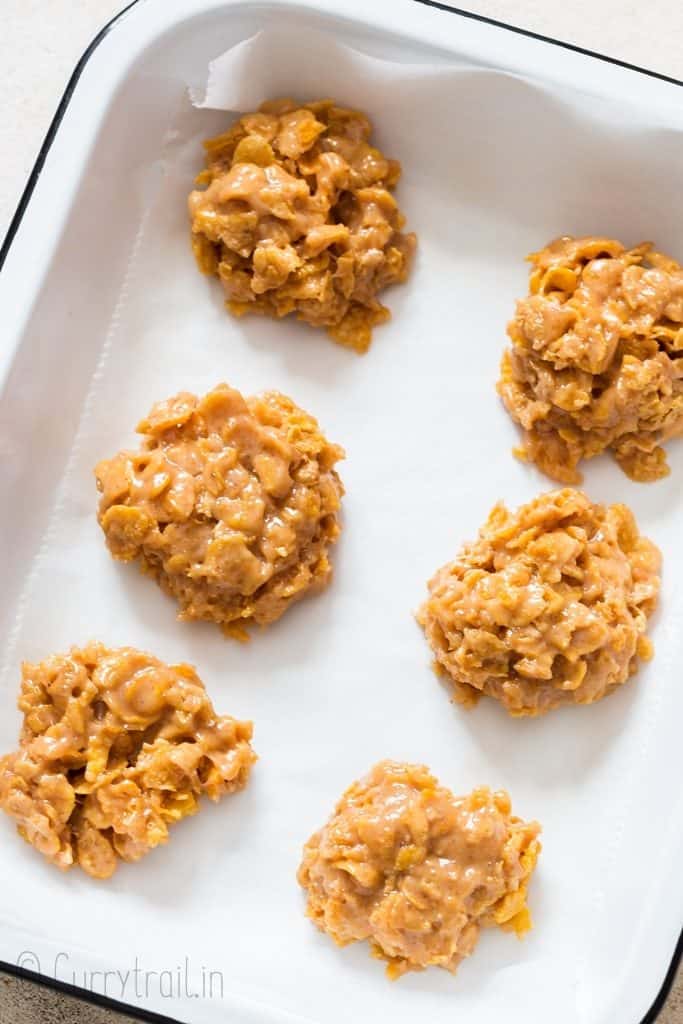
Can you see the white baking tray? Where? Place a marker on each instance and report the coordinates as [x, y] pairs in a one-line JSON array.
[[564, 143]]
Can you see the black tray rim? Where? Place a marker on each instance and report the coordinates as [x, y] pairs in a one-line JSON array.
[[95, 998]]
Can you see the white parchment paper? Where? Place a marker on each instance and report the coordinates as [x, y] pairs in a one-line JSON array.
[[280, 61], [493, 166]]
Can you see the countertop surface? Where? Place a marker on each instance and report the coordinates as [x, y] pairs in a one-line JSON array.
[[41, 41]]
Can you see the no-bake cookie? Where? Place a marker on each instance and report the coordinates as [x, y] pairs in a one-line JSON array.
[[296, 215], [417, 871], [549, 606], [231, 504], [115, 747], [597, 357]]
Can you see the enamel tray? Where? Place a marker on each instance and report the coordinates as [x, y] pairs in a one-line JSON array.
[[532, 140]]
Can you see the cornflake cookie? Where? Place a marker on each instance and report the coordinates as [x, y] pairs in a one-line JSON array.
[[596, 361], [231, 505], [298, 217], [548, 606], [115, 747], [417, 871]]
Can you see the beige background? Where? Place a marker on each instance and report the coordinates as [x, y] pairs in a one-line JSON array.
[[40, 42]]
